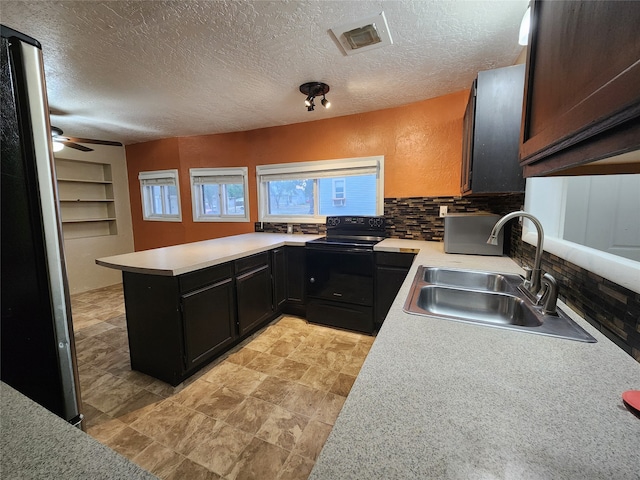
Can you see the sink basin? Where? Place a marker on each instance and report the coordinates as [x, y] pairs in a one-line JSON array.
[[478, 307], [471, 279], [485, 298]]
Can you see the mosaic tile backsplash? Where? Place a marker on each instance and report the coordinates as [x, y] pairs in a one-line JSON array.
[[614, 310]]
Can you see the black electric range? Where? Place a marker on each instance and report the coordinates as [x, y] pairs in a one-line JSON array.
[[340, 273]]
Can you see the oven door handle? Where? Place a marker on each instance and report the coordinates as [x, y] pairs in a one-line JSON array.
[[319, 248]]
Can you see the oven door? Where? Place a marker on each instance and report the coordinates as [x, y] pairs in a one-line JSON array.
[[341, 275]]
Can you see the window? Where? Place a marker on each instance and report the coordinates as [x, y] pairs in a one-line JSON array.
[[308, 192], [339, 194], [160, 195], [219, 194]]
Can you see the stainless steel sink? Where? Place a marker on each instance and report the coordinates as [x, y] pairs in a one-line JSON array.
[[474, 306], [485, 298], [472, 279]]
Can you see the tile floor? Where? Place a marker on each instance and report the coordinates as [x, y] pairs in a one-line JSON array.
[[262, 411]]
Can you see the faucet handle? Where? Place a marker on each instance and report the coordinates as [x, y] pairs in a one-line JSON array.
[[549, 295]]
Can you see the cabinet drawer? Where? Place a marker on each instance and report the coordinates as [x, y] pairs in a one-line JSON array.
[[206, 276], [394, 259], [249, 263]]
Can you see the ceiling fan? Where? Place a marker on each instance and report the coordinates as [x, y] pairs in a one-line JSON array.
[[74, 142]]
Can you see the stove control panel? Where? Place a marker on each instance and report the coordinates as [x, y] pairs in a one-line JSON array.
[[356, 223]]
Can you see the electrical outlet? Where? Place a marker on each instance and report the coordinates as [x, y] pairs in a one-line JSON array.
[[443, 210]]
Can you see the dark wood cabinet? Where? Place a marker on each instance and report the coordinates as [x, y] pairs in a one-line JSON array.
[[295, 281], [391, 270], [279, 273], [253, 292], [582, 88], [208, 320], [177, 324], [492, 132]]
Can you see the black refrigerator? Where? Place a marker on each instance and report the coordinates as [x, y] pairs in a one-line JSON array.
[[37, 345]]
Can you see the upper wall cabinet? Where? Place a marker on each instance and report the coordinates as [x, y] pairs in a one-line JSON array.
[[492, 131], [582, 88]]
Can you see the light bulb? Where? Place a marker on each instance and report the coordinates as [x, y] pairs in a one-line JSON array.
[[57, 146], [523, 38], [325, 103]]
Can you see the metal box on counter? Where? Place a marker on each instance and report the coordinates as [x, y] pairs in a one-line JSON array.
[[468, 233]]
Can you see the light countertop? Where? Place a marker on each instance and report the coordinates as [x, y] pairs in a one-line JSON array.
[[36, 444], [438, 399], [179, 259]]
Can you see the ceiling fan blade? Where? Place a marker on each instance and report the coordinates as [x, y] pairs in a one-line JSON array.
[[95, 142], [69, 144]]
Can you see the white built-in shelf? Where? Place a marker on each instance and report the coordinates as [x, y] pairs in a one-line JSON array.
[[76, 200], [82, 180], [81, 220], [87, 206]]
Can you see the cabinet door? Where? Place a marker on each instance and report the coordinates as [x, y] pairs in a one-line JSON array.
[[467, 139], [582, 94], [279, 271], [296, 280], [391, 270], [388, 283], [255, 301], [208, 321]]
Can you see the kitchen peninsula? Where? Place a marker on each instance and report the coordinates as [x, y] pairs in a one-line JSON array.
[[187, 304]]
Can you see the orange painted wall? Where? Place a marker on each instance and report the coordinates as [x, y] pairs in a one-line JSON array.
[[421, 144]]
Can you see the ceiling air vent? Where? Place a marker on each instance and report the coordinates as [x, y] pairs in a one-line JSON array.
[[363, 35]]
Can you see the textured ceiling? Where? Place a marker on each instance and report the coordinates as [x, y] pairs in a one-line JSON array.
[[133, 71]]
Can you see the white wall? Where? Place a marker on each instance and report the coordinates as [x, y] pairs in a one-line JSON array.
[[80, 253]]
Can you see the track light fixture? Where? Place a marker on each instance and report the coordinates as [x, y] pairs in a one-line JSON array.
[[313, 90]]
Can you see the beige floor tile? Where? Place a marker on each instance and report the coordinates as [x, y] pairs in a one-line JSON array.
[[313, 438], [159, 422], [274, 390], [191, 395], [129, 442], [290, 369], [136, 406], [243, 356], [329, 408], [265, 363], [92, 350], [194, 429], [158, 459], [303, 399], [94, 328], [105, 427], [259, 461], [283, 348], [220, 452], [293, 322], [116, 336], [353, 366], [261, 344], [245, 381], [111, 394], [283, 428], [319, 378], [342, 385], [221, 403], [188, 470], [296, 468], [250, 415]]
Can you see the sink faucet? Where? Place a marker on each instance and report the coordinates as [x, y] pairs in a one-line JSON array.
[[533, 283]]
